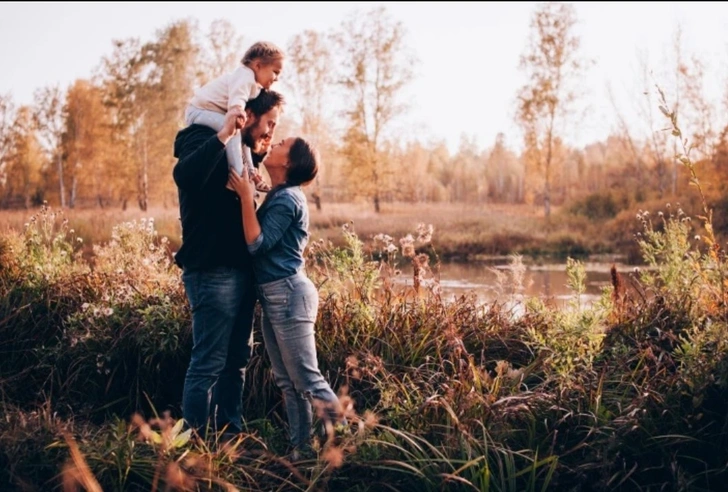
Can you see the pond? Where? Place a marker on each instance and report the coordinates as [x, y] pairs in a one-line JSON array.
[[498, 281]]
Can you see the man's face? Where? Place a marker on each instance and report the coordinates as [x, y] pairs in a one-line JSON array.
[[260, 130]]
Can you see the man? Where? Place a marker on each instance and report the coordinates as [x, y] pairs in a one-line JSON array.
[[216, 266]]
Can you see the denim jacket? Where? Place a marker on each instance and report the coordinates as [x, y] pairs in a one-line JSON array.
[[278, 250]]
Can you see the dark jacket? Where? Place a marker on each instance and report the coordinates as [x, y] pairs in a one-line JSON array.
[[212, 227]]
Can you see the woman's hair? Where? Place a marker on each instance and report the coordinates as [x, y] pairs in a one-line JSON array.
[[264, 51], [303, 158]]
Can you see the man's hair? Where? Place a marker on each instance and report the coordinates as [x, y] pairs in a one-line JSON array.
[[264, 51], [303, 158], [265, 101]]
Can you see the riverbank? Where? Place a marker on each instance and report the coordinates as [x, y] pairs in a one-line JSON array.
[[461, 232]]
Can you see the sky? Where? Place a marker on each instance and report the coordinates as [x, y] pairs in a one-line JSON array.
[[466, 49]]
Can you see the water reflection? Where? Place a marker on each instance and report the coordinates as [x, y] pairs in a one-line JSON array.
[[497, 282]]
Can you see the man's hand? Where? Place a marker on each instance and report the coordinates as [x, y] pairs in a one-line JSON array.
[[235, 119]]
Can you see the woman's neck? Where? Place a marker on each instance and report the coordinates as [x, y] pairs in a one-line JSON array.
[[277, 179]]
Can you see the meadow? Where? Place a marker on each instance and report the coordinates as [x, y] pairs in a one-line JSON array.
[[464, 232], [627, 393]]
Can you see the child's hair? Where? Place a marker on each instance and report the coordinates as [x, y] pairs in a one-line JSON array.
[[264, 51]]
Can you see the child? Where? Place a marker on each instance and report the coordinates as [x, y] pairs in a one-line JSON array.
[[260, 67]]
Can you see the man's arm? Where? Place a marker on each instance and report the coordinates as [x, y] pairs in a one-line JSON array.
[[200, 153]]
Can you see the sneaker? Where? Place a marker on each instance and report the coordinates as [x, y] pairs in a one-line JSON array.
[[262, 187]]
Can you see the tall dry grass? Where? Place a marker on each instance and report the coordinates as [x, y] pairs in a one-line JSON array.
[[622, 394]]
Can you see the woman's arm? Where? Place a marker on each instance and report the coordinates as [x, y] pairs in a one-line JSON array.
[[261, 237]]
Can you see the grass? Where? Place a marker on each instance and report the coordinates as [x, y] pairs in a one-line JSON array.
[[463, 231], [625, 393]]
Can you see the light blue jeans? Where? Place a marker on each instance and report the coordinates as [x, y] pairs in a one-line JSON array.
[[237, 153], [290, 306]]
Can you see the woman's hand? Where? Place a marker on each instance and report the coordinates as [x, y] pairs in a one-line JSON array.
[[241, 184]]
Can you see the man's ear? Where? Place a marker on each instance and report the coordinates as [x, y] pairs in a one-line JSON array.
[[250, 119]]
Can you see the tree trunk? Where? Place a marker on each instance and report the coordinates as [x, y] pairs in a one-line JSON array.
[[74, 186], [144, 183], [61, 188], [376, 202]]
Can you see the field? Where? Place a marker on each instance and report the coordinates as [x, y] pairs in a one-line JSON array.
[[627, 393], [461, 231]]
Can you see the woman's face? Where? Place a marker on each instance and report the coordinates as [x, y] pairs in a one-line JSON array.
[[278, 155]]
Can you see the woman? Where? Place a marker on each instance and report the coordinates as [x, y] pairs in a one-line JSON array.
[[276, 236]]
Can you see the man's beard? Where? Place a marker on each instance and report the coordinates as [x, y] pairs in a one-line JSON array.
[[254, 145]]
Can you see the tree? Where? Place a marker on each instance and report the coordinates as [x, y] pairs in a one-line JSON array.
[[375, 65], [552, 64], [123, 76], [49, 120], [173, 59], [7, 116], [24, 162], [84, 144], [309, 77], [223, 50], [503, 172]]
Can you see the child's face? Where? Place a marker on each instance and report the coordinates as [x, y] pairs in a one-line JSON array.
[[266, 74]]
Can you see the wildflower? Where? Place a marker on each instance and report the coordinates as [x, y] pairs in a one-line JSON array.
[[85, 306], [108, 311], [408, 248], [370, 419], [334, 456], [424, 233]]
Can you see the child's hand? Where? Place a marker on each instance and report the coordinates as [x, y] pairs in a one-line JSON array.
[[241, 117], [231, 124], [241, 184]]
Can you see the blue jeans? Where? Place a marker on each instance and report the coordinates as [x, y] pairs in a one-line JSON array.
[[222, 300], [290, 306]]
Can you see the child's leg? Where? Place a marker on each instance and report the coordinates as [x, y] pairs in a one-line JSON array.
[[248, 159], [216, 121], [234, 151]]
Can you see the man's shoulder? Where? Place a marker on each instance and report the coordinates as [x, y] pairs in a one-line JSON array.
[[192, 135], [195, 129]]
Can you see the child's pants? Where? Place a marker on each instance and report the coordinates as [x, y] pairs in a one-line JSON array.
[[237, 153]]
